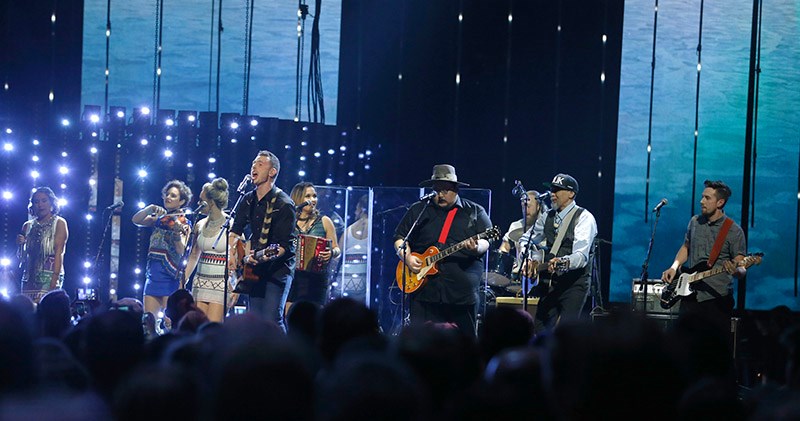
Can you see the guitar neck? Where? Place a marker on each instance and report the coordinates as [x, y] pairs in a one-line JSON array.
[[452, 249], [711, 272]]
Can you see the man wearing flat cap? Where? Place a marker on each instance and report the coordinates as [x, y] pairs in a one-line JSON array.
[[451, 295], [569, 231]]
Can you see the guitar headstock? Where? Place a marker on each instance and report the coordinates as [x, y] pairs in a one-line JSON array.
[[753, 259]]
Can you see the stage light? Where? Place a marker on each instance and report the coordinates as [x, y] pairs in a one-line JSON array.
[[87, 280], [191, 118], [94, 118], [93, 150], [35, 142], [140, 205], [87, 264], [189, 165], [65, 122], [35, 174], [169, 122], [7, 195], [328, 181], [233, 140], [51, 97], [351, 174], [145, 110], [212, 160], [317, 154], [361, 156], [62, 202], [331, 152], [89, 217], [92, 182], [9, 131], [168, 137], [343, 148], [234, 125], [304, 143], [160, 314], [113, 276], [368, 152], [142, 173], [301, 173], [167, 153], [211, 176], [63, 186], [137, 271], [63, 170], [4, 292], [303, 158], [64, 154], [144, 142], [117, 111], [136, 286], [94, 134], [120, 114], [8, 147], [5, 261], [112, 291], [254, 122], [366, 167], [305, 128]]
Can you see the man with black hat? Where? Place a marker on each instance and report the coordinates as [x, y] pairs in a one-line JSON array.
[[451, 295], [569, 231]]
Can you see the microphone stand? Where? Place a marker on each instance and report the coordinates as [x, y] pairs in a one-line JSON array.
[[180, 275], [405, 315], [100, 246], [645, 265], [523, 201], [226, 230]]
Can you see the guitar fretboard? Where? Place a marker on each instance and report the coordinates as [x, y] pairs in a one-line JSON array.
[[748, 261], [454, 248]]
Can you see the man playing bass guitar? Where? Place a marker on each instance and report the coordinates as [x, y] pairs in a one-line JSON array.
[[451, 295], [705, 241]]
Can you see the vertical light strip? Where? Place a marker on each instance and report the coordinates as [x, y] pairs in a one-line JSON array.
[[108, 50], [457, 92], [507, 94], [650, 117], [697, 106]]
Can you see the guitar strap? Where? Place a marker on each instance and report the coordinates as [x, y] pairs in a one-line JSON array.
[[265, 226], [562, 232], [723, 233], [448, 222]]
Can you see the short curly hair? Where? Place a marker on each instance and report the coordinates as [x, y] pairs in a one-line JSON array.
[[185, 191]]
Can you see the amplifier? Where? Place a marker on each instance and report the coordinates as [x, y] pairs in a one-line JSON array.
[[516, 302], [651, 299]]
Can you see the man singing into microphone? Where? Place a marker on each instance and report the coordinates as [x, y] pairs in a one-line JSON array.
[[712, 297], [451, 296], [270, 214]]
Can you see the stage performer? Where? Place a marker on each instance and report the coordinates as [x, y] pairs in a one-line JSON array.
[[167, 243], [712, 297], [451, 296], [208, 286], [270, 213], [42, 242], [309, 285], [535, 214]]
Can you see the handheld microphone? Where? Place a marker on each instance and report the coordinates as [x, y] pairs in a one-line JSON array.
[[243, 184], [660, 205], [202, 204], [116, 205], [428, 196], [304, 204]]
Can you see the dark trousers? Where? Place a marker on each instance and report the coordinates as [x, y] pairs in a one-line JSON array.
[[462, 315], [717, 311], [271, 306], [562, 301]]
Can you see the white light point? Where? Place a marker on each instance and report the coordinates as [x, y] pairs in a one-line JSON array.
[[63, 170], [62, 202], [7, 195], [142, 173], [8, 147], [5, 261], [94, 118]]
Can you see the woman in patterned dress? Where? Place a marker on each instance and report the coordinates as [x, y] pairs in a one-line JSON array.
[[208, 285], [167, 244], [44, 237]]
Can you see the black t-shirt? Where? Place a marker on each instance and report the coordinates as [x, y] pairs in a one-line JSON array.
[[460, 273], [251, 211]]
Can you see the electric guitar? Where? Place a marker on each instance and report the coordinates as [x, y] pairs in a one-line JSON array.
[[682, 286], [414, 281]]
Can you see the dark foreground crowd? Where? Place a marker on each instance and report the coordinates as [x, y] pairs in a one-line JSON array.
[[335, 364]]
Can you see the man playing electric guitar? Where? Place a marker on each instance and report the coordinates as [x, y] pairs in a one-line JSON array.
[[568, 232], [451, 295], [707, 240]]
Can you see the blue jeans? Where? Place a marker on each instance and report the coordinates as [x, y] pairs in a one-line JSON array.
[[271, 306]]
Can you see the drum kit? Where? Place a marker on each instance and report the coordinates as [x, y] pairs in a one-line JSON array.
[[503, 275]]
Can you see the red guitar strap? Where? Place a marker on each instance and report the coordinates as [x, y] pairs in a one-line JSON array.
[[723, 232], [447, 223]]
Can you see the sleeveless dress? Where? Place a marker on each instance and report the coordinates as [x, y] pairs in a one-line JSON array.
[[308, 286], [162, 260], [40, 259], [208, 284]]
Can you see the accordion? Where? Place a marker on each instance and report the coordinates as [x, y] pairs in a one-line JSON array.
[[308, 250]]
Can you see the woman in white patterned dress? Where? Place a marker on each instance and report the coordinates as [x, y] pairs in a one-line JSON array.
[[209, 260]]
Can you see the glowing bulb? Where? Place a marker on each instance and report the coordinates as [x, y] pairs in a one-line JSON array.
[[143, 142], [62, 202], [234, 125], [89, 217], [137, 271], [63, 170], [64, 154], [8, 147], [142, 173], [328, 181], [87, 264], [112, 291], [35, 174], [136, 286], [93, 150], [5, 261], [189, 165], [92, 182], [120, 114], [7, 195], [64, 122], [331, 152], [211, 176], [254, 122], [145, 110], [94, 118], [169, 122], [168, 153], [140, 205], [35, 142], [212, 160], [191, 117], [301, 173]]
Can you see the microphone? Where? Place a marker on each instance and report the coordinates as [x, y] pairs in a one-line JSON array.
[[428, 196], [243, 184], [200, 206], [660, 205], [519, 190], [304, 204], [116, 205]]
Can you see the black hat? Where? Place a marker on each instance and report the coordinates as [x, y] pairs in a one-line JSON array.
[[563, 182], [443, 172]]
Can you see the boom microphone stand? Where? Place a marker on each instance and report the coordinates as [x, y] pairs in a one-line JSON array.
[[520, 192], [645, 265], [226, 227], [404, 313]]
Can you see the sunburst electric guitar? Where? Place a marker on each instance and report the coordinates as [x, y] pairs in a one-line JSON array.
[[414, 281], [682, 286]]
